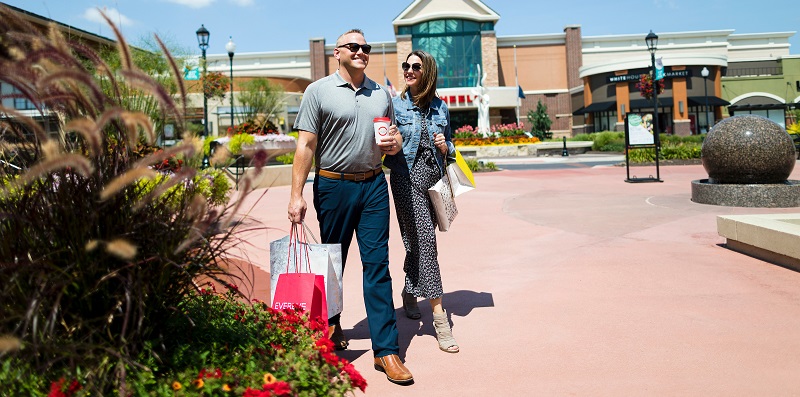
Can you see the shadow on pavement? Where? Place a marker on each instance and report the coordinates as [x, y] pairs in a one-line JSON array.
[[457, 303]]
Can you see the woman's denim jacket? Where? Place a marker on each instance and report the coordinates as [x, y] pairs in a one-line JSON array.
[[407, 118]]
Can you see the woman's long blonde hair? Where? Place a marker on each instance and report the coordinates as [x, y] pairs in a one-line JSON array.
[[427, 83]]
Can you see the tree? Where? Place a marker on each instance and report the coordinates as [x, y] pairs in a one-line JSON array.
[[149, 58], [261, 100], [540, 122]]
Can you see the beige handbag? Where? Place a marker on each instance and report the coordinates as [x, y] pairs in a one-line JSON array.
[[444, 203]]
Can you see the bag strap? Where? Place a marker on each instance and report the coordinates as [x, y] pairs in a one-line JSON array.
[[307, 231], [298, 241]]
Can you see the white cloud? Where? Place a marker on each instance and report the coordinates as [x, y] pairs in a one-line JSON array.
[[193, 3], [93, 14], [243, 3]]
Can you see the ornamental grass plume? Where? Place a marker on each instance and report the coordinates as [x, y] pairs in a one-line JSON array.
[[99, 253]]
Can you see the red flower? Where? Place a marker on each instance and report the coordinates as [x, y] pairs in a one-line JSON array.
[[216, 373], [324, 345], [57, 389], [355, 377], [254, 393], [330, 358], [273, 389], [278, 388]]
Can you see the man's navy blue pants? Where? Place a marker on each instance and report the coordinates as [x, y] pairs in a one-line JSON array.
[[362, 207]]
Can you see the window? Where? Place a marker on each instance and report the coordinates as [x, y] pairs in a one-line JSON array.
[[605, 121], [21, 103], [456, 46], [776, 115]]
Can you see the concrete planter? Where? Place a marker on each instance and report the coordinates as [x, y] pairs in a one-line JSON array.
[[524, 150]]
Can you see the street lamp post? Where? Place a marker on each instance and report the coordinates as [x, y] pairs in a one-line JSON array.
[[231, 48], [704, 72], [652, 44], [202, 40]]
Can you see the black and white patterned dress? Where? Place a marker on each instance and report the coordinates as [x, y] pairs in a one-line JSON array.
[[418, 222]]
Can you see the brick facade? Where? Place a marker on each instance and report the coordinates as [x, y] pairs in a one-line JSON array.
[[558, 108], [574, 51], [317, 57]]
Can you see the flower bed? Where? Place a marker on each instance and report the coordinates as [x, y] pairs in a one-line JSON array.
[[508, 140], [499, 134]]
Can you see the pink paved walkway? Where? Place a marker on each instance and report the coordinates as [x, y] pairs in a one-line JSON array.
[[575, 283]]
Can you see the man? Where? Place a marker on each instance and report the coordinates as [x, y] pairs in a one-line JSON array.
[[335, 124]]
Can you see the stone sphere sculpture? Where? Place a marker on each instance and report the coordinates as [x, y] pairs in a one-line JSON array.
[[748, 149]]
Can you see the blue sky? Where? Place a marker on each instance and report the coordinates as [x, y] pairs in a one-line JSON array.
[[269, 25]]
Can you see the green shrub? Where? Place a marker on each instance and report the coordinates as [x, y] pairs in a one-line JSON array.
[[681, 151], [218, 342], [238, 140], [243, 342], [480, 166], [582, 137], [609, 141], [671, 151], [641, 155], [287, 158]]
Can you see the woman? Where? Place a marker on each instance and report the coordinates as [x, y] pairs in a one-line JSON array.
[[424, 123]]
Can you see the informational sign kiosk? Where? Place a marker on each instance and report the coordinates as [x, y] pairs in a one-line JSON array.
[[639, 134]]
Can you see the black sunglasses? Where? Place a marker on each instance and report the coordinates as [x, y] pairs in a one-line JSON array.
[[416, 66], [366, 48]]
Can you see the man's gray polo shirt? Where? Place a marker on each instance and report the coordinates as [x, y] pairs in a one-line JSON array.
[[342, 118]]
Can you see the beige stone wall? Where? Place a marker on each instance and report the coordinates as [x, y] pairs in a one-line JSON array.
[[489, 55], [403, 49]]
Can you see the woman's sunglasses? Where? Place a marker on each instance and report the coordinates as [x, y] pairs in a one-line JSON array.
[[415, 66], [353, 47]]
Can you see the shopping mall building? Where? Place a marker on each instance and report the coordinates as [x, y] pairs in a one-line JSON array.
[[587, 82]]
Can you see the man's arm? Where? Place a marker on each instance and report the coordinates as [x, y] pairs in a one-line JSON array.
[[303, 158]]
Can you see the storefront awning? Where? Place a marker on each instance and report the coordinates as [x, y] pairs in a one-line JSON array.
[[596, 108], [712, 101], [648, 103]]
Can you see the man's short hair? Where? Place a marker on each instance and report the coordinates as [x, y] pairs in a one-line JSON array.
[[338, 40]]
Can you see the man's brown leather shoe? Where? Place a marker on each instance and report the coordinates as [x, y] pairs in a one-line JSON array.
[[394, 369]]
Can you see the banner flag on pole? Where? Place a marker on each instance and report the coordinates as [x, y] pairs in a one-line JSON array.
[[659, 69], [390, 87], [521, 94]]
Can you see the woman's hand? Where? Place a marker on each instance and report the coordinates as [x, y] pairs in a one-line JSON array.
[[393, 143], [440, 143]]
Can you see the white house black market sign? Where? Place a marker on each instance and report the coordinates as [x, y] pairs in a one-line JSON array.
[[635, 77]]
